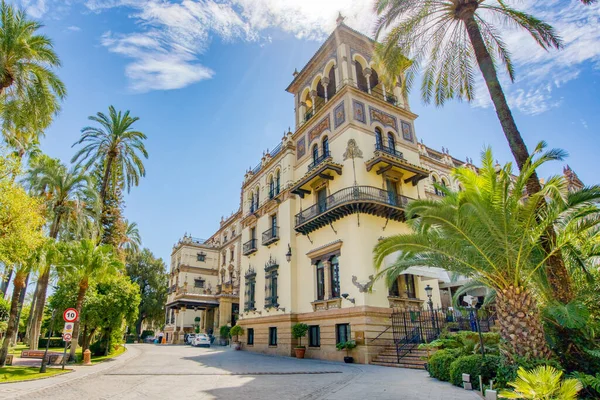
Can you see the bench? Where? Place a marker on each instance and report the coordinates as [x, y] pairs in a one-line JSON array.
[[53, 357]]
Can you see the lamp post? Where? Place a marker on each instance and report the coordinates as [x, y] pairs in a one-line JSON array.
[[471, 302], [288, 255], [429, 291], [43, 366]]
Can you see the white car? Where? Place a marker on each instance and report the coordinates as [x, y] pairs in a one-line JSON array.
[[201, 340], [190, 338]]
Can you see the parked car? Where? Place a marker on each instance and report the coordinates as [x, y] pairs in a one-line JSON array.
[[201, 340], [190, 338]]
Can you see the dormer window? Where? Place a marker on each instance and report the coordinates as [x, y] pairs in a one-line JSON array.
[[201, 257]]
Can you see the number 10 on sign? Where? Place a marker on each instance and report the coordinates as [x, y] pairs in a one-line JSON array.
[[70, 315]]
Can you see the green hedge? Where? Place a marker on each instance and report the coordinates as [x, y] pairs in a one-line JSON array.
[[507, 371], [439, 363], [54, 342], [474, 365]]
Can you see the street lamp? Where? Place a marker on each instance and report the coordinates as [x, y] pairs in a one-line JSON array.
[[471, 302], [429, 291], [288, 255]]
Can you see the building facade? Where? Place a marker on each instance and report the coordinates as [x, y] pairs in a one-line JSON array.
[[312, 211]]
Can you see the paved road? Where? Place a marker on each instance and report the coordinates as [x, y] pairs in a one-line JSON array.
[[170, 372]]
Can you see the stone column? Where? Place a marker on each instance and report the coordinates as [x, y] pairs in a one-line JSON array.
[[327, 276], [224, 311], [325, 82], [313, 96], [354, 77], [302, 112], [399, 95], [367, 73], [175, 332]]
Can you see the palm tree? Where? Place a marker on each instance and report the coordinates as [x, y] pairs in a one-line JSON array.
[[115, 148], [27, 81], [87, 261], [491, 233], [64, 190], [132, 239], [450, 36]]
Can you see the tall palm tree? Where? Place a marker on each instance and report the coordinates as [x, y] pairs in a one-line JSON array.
[[28, 83], [64, 190], [132, 239], [492, 233], [450, 37], [87, 261], [115, 147]]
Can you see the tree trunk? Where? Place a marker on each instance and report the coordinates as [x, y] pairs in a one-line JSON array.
[[6, 280], [520, 323], [557, 273], [15, 337], [83, 285], [13, 323], [30, 320], [38, 312], [105, 179]]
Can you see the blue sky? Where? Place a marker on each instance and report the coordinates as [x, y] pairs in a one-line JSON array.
[[207, 81]]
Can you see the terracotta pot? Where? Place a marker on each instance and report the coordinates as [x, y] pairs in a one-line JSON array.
[[237, 345], [300, 351]]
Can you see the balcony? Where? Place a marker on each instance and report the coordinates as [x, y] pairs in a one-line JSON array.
[[320, 169], [319, 103], [388, 97], [249, 247], [270, 236], [386, 158], [351, 200], [315, 163]]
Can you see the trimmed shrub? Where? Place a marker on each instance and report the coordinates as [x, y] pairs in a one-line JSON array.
[[474, 365], [224, 331], [54, 342], [439, 363], [99, 348], [507, 371]]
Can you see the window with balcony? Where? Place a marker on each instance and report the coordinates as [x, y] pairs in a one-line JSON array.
[[272, 336], [315, 153], [250, 245], [325, 146], [277, 182], [378, 137], [250, 341], [271, 235], [199, 283], [250, 291], [271, 274], [201, 257], [314, 336], [342, 333]]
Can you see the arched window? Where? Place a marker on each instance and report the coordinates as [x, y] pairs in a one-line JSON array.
[[256, 199], [331, 86], [391, 141], [271, 187], [315, 152], [277, 181], [378, 138], [434, 181], [335, 277], [252, 202], [325, 146], [361, 81]]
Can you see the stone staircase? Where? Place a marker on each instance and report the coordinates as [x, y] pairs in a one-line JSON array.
[[415, 359]]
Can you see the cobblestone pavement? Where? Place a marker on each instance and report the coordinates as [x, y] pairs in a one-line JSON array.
[[169, 372]]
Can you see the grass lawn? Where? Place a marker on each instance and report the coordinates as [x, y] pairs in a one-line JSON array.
[[78, 353], [15, 374]]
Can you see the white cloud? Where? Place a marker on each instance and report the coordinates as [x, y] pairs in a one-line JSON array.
[[169, 36], [584, 123], [73, 28]]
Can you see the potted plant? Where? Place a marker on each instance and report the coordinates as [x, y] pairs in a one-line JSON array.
[[235, 332], [224, 335], [348, 346], [298, 332]]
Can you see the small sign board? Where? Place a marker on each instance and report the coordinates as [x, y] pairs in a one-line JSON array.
[[67, 337], [70, 315], [68, 327]]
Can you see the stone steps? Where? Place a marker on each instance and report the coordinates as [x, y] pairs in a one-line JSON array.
[[415, 359]]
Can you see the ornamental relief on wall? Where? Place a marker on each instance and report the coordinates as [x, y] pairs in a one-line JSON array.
[[321, 127], [383, 117]]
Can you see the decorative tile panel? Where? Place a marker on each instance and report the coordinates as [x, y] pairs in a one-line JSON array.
[[339, 115], [383, 117], [300, 148], [318, 129], [358, 111], [406, 131]]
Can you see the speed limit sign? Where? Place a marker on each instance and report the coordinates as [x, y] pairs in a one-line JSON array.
[[70, 315]]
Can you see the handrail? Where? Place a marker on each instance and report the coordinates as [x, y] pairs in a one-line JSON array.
[[389, 150], [276, 150], [409, 341], [326, 154], [381, 333], [351, 195], [250, 246]]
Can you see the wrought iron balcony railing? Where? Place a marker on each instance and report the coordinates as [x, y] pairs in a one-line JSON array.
[[388, 149], [271, 235], [250, 247], [326, 154], [353, 199]]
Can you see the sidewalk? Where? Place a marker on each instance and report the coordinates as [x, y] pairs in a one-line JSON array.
[[14, 390]]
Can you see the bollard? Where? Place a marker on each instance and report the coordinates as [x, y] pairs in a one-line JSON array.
[[164, 340], [87, 357]]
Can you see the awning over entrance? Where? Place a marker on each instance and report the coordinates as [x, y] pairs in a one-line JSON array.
[[190, 304]]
